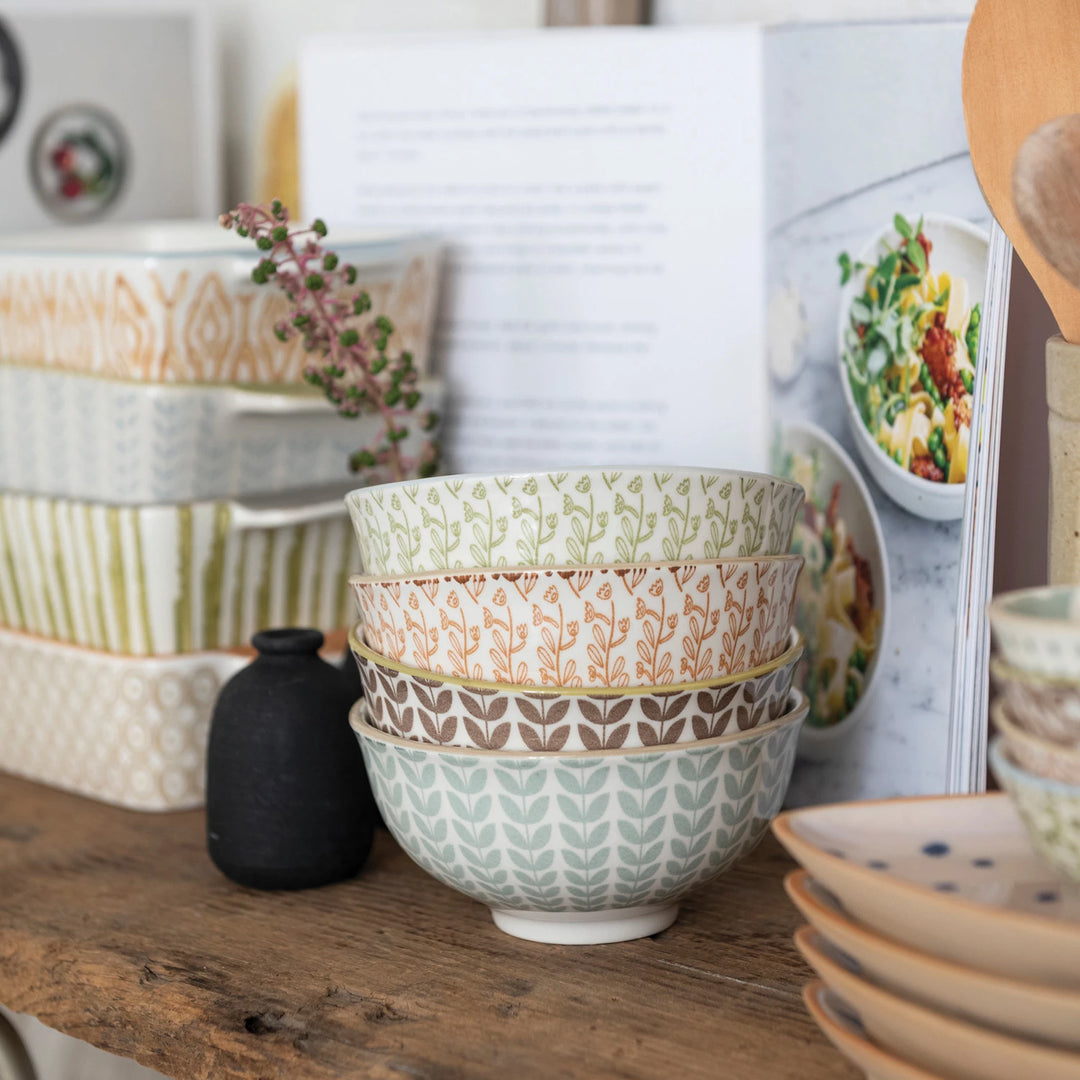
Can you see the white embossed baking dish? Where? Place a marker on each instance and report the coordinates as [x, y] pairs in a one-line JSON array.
[[82, 436], [174, 301], [126, 730], [153, 580]]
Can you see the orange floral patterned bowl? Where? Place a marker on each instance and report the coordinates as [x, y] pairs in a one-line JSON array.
[[446, 711], [610, 626]]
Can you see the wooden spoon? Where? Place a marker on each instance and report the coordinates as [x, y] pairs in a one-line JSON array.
[[1046, 192], [1021, 69]]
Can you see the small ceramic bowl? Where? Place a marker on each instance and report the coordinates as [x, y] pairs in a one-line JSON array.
[[1048, 708], [1049, 809], [445, 711], [960, 249], [1038, 630], [633, 625], [1038, 756], [573, 517], [580, 849]]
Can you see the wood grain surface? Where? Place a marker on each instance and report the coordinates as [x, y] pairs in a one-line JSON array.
[[1021, 68], [115, 928]]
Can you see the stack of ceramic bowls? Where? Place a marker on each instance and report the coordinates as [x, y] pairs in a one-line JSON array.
[[578, 697], [168, 486], [945, 946], [1036, 678]]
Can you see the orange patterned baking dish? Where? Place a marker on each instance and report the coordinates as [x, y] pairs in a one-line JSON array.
[[174, 301]]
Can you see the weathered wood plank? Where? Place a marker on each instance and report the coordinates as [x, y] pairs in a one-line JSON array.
[[117, 929]]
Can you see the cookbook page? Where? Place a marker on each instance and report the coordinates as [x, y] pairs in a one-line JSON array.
[[876, 265], [602, 200]]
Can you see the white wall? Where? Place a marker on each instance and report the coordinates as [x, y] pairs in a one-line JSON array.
[[776, 11], [260, 40]]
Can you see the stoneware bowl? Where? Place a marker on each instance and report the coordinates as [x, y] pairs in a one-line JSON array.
[[1049, 809], [633, 625], [1047, 708], [572, 518], [445, 711], [1035, 755], [1038, 630], [585, 848]]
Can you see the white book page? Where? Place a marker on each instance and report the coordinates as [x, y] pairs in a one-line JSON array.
[[601, 193]]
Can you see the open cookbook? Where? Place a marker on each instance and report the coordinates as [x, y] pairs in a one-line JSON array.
[[722, 247]]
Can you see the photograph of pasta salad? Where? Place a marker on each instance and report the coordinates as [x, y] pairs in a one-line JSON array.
[[909, 349], [842, 591]]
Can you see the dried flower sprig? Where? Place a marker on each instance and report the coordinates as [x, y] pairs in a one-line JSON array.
[[350, 362]]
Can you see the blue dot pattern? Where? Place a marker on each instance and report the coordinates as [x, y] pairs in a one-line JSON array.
[[936, 850]]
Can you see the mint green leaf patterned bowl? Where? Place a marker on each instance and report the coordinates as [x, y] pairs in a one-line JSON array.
[[582, 848], [1049, 809], [572, 517], [1038, 630]]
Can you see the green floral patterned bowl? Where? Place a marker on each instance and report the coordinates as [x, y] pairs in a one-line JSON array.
[[588, 847], [1050, 809], [572, 518], [1038, 630]]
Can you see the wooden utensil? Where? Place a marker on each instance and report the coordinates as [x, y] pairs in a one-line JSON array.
[[1046, 192], [1021, 69]]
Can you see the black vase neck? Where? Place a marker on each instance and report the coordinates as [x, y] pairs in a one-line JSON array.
[[288, 641]]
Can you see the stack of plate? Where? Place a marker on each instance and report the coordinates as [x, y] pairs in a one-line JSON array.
[[168, 486], [946, 947], [577, 684]]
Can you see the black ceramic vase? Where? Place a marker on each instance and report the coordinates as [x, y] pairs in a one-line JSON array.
[[288, 804]]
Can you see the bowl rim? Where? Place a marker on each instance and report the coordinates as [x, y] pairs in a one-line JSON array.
[[1000, 611], [793, 716], [1014, 733], [796, 645], [943, 491], [578, 470], [1006, 769], [561, 569], [1000, 668]]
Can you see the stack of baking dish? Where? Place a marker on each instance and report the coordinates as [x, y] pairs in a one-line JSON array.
[[168, 486]]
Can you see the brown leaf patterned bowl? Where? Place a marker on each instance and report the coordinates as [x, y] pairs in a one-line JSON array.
[[1050, 760], [444, 710], [1048, 708], [595, 626]]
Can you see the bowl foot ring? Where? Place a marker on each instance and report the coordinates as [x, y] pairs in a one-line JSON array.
[[586, 927]]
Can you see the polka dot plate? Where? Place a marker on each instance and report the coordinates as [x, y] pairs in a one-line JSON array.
[[956, 878], [930, 1038], [846, 1032], [1014, 1007]]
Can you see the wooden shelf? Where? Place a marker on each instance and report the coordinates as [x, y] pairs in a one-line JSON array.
[[117, 929]]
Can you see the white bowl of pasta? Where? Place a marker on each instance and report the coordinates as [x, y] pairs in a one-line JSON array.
[[907, 336], [844, 597]]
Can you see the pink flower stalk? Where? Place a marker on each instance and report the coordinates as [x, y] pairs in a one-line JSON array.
[[348, 347]]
